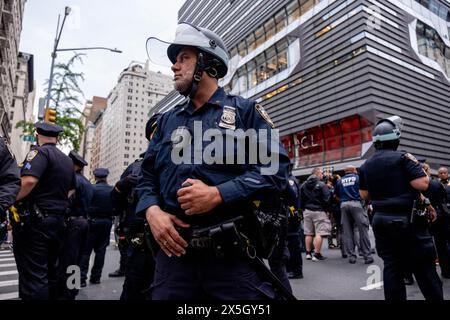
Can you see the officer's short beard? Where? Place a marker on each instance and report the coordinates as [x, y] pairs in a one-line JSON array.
[[184, 85]]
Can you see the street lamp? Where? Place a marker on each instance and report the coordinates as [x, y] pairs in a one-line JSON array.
[[55, 50]]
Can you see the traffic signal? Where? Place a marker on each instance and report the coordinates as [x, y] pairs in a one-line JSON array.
[[50, 115]]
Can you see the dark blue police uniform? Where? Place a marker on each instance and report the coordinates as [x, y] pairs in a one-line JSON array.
[[140, 264], [401, 244], [39, 235], [77, 226], [100, 213], [295, 231], [199, 273], [439, 228], [9, 178], [9, 184]]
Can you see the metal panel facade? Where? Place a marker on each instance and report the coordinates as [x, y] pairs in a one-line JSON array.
[[356, 57]]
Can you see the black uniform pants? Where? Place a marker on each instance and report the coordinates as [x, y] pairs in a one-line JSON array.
[[76, 237], [37, 250], [406, 247], [441, 233], [278, 260], [139, 274], [295, 262], [97, 240]]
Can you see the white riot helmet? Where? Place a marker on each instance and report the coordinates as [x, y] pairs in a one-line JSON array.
[[213, 55]]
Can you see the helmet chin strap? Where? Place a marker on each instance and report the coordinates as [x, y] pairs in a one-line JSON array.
[[198, 73]]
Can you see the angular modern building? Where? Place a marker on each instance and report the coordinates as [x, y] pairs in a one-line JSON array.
[[327, 70], [123, 121]]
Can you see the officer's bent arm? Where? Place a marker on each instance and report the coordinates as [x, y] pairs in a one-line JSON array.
[[9, 178], [28, 183], [252, 181], [421, 183], [364, 194]]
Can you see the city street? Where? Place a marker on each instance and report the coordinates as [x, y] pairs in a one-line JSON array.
[[332, 279]]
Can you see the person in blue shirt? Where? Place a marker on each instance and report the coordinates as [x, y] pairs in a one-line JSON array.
[[100, 215], [194, 193], [347, 189], [393, 181]]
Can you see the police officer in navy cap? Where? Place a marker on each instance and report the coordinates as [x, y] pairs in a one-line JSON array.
[[9, 183], [39, 231], [393, 181], [139, 265], [100, 215], [194, 196], [77, 225]]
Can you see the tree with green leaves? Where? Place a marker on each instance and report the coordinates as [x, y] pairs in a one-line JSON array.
[[65, 98]]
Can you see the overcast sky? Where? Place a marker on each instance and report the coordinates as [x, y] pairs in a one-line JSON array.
[[121, 24]]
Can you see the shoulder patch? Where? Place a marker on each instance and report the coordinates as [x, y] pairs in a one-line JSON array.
[[409, 156], [265, 115], [31, 155]]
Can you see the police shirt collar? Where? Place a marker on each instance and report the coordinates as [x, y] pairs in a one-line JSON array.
[[215, 100]]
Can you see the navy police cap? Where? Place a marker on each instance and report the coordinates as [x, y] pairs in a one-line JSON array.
[[101, 172], [48, 129], [77, 159]]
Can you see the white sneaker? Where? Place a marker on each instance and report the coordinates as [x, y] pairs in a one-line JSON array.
[[308, 256]]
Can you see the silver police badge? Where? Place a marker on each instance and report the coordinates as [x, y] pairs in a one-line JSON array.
[[228, 119]]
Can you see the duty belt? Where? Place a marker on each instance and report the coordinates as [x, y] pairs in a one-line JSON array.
[[71, 218], [199, 243]]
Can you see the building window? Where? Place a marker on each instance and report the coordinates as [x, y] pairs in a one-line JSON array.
[[293, 11], [431, 46], [130, 90], [280, 20], [127, 140], [126, 156], [127, 133], [260, 36], [306, 5], [265, 65]]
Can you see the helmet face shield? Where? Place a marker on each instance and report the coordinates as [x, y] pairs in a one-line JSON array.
[[157, 52]]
